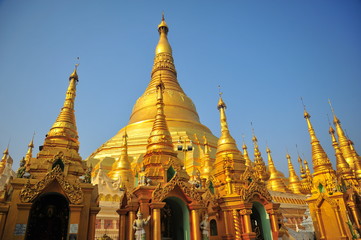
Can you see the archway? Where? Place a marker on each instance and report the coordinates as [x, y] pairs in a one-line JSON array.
[[260, 222], [49, 217], [175, 220]]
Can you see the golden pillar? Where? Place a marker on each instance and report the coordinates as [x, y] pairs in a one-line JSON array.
[[196, 233], [320, 225], [246, 211], [131, 218], [355, 215], [237, 225], [156, 219], [340, 222], [271, 209], [122, 223]]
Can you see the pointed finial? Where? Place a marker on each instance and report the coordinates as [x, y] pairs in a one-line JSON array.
[[254, 138], [74, 75], [219, 91], [303, 104], [333, 111], [221, 103], [163, 19]]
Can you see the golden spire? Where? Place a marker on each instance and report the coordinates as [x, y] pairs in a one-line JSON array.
[[259, 164], [177, 104], [307, 169], [29, 153], [323, 171], [302, 169], [121, 169], [275, 181], [320, 160], [206, 161], [4, 160], [226, 141], [229, 164], [64, 129], [306, 181], [160, 140], [163, 44], [61, 142], [343, 141], [342, 167], [357, 161], [294, 181], [245, 154]]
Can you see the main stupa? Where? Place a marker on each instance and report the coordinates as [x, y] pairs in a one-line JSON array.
[[187, 132]]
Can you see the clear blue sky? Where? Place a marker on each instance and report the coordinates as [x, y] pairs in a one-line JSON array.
[[264, 54]]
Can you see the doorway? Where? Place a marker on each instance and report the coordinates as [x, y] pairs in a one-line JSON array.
[[175, 220], [260, 222], [48, 218]]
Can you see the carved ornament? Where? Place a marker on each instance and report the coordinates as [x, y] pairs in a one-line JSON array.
[[161, 192], [72, 191]]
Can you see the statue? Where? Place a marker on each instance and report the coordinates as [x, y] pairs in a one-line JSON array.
[[205, 227], [87, 175], [138, 225], [21, 171]]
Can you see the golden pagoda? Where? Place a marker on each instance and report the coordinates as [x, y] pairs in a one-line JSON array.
[[182, 117], [178, 180], [48, 199]]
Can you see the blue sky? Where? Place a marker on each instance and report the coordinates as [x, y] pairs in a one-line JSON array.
[[264, 54]]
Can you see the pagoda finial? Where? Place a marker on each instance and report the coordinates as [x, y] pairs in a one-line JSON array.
[[121, 169], [163, 44], [160, 140], [229, 160], [62, 139], [342, 167], [343, 141], [323, 171], [320, 159], [259, 164], [29, 153], [245, 154], [294, 181], [275, 181]]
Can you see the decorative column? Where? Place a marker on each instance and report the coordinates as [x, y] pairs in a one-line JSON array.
[[340, 222], [246, 211], [271, 209], [237, 225], [122, 223], [196, 233], [356, 218], [156, 219], [319, 221], [91, 227]]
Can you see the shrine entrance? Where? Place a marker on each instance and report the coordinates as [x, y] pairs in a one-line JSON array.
[[260, 222], [49, 217], [175, 220]]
